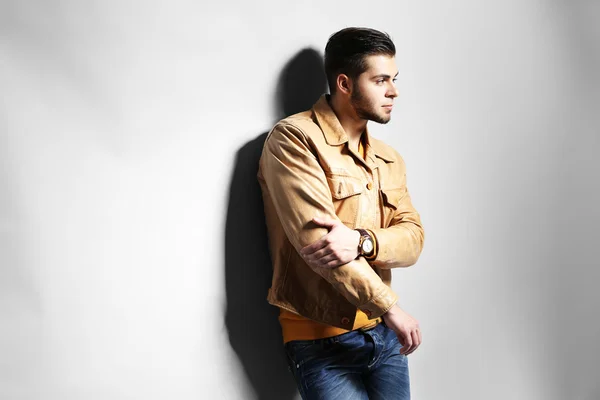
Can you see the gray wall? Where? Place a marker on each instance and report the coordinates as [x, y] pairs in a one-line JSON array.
[[128, 136]]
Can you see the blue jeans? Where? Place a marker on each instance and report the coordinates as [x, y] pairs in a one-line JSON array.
[[355, 365]]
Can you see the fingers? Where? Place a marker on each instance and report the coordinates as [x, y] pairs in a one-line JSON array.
[[334, 249], [334, 264], [406, 342], [416, 341], [406, 328], [325, 258], [320, 255], [311, 248], [331, 264], [331, 261], [412, 339]]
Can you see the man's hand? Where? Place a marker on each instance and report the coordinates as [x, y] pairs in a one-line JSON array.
[[406, 328], [338, 247]]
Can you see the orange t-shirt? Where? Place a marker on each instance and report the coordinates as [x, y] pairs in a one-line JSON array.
[[297, 327]]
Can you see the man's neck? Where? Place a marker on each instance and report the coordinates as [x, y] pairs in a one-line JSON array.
[[352, 124]]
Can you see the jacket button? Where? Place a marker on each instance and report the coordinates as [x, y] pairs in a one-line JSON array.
[[345, 320], [369, 186]]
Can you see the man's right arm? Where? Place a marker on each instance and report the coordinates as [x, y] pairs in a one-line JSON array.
[[299, 191]]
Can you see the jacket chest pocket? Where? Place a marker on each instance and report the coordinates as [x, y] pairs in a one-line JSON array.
[[390, 200], [345, 194]]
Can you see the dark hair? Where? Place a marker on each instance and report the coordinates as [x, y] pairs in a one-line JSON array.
[[346, 51]]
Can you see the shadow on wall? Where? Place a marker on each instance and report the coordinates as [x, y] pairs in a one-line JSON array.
[[254, 331]]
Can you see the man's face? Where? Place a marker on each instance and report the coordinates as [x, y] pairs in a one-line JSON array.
[[374, 90]]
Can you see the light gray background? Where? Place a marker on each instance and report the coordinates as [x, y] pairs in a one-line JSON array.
[[119, 126]]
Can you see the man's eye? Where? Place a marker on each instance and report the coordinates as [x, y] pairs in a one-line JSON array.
[[394, 80], [379, 81]]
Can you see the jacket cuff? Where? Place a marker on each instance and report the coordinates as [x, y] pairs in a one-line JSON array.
[[380, 304]]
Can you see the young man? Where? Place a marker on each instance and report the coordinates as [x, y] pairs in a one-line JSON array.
[[339, 217]]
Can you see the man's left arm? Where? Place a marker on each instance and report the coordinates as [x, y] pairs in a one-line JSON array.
[[401, 243]]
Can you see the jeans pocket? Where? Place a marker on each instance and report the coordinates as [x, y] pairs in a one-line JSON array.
[[299, 354], [300, 351]]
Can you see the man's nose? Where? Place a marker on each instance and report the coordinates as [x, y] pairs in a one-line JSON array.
[[393, 92]]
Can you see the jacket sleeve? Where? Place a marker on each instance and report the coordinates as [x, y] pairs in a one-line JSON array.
[[401, 243], [298, 188]]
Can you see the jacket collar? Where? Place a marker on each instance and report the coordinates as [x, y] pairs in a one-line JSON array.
[[329, 123], [335, 135]]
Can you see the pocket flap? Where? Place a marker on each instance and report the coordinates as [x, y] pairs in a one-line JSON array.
[[391, 197], [344, 186]]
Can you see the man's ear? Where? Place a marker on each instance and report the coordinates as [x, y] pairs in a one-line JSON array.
[[344, 84]]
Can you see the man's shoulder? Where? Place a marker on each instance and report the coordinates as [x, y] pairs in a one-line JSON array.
[[303, 123]]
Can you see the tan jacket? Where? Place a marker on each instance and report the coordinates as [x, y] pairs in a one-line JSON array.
[[306, 170]]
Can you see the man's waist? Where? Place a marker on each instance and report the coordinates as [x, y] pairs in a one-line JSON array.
[[298, 327]]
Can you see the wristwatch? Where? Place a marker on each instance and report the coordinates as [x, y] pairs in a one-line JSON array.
[[366, 247]]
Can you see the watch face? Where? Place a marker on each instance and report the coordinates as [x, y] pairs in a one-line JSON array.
[[367, 246]]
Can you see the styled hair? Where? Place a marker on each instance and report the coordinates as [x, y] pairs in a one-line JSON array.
[[347, 49]]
